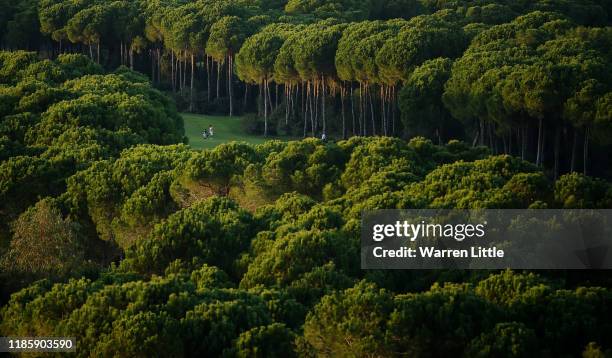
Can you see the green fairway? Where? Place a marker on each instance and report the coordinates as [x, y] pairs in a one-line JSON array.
[[226, 129]]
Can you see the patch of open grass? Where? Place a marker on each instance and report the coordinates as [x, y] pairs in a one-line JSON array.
[[226, 129]]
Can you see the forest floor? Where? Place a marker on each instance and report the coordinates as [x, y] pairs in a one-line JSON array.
[[226, 129]]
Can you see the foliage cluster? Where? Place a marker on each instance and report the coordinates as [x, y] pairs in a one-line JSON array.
[[521, 77], [58, 118], [206, 271]]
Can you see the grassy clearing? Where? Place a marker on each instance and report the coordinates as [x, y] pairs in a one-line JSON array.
[[227, 129]]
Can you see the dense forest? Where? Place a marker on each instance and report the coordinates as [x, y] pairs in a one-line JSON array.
[[526, 78], [113, 230]]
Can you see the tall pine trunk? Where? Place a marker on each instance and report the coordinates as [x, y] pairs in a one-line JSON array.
[[313, 108], [265, 89], [219, 79], [342, 110], [524, 143], [305, 106], [172, 71], [230, 86], [557, 149], [362, 130], [372, 111], [574, 148], [185, 59], [544, 140], [260, 99], [323, 105], [315, 92], [287, 104], [191, 84], [352, 109], [539, 149], [586, 151], [179, 65], [382, 111], [393, 110], [208, 77]]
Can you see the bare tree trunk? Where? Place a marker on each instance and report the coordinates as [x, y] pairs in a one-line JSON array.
[[291, 104], [383, 125], [557, 149], [177, 71], [208, 77], [173, 71], [179, 65], [392, 109], [343, 116], [574, 147], [539, 142], [191, 84], [218, 79], [586, 151], [372, 112], [524, 142], [389, 108], [287, 104], [265, 90], [323, 104], [260, 100], [185, 57], [312, 109], [315, 99], [305, 109], [362, 126], [183, 65], [294, 99], [475, 140], [352, 108], [491, 143], [543, 152], [230, 85]]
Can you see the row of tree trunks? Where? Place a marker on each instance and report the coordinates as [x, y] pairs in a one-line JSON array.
[[313, 96], [518, 141]]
